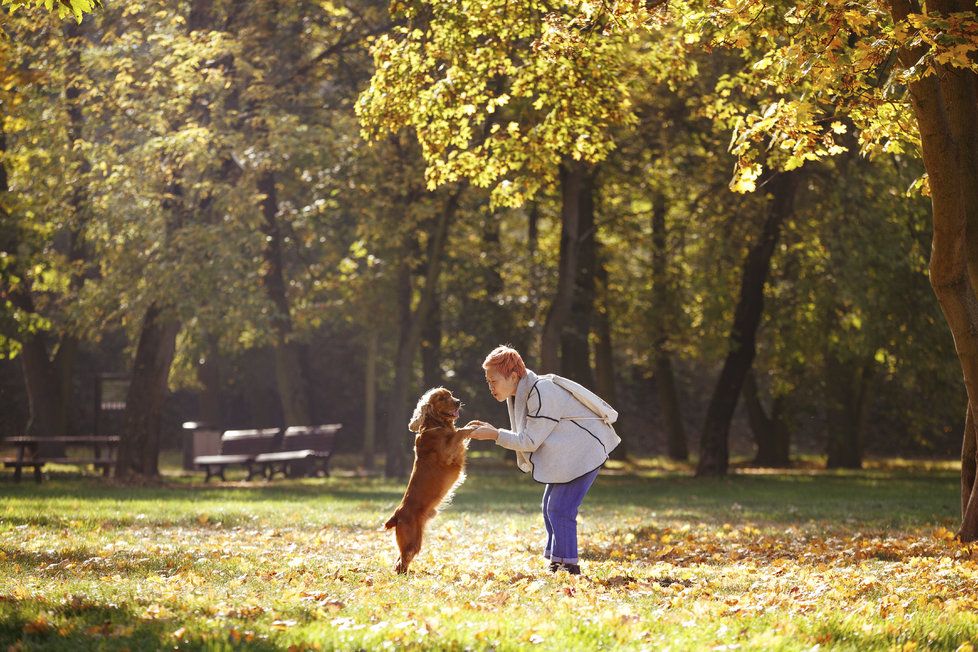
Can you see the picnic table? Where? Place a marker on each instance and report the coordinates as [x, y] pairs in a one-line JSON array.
[[103, 453]]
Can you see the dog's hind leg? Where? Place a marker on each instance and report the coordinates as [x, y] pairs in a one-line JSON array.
[[409, 531]]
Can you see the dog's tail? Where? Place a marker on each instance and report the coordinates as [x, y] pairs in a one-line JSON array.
[[392, 521]]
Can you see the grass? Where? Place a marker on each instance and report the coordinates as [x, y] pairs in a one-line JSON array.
[[789, 560]]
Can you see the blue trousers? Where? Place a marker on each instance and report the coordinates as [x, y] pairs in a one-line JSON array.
[[560, 505]]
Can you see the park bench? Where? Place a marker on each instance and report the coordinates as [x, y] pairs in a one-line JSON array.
[[305, 450], [240, 448], [102, 456]]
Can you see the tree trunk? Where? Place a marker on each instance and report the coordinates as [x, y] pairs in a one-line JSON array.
[[431, 346], [370, 401], [411, 326], [46, 407], [209, 376], [576, 187], [770, 432], [289, 375], [532, 245], [662, 310], [714, 441], [498, 323], [848, 389], [604, 358], [969, 488], [80, 208], [44, 388], [668, 396], [946, 110], [140, 446], [575, 349]]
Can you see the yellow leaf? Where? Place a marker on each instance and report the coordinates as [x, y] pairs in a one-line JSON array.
[[37, 626]]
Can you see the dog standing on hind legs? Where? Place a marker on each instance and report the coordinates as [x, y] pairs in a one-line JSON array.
[[439, 464]]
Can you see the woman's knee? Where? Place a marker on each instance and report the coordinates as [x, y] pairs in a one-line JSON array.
[[557, 512]]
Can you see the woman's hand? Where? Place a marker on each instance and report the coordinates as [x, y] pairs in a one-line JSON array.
[[485, 432]]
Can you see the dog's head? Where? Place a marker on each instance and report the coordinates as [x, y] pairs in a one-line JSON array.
[[437, 407]]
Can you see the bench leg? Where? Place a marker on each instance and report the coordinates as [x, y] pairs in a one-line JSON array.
[[253, 471], [37, 473], [17, 472]]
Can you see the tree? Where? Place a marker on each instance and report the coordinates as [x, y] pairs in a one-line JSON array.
[[906, 79], [42, 218], [76, 8], [714, 455]]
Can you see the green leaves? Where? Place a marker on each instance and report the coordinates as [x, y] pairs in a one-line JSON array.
[[65, 8], [500, 97]]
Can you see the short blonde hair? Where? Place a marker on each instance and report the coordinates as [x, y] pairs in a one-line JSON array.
[[506, 360]]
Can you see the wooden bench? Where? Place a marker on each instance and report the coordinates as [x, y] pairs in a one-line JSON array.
[[102, 456], [306, 450], [240, 448]]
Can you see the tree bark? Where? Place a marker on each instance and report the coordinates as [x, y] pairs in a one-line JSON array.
[[407, 349], [45, 405], [576, 187], [370, 401], [946, 110], [209, 376], [668, 396], [714, 441], [662, 308], [431, 346], [848, 389], [289, 374], [81, 212], [770, 432], [575, 349], [140, 445], [532, 245], [604, 358]]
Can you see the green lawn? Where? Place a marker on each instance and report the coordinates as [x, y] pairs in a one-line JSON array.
[[859, 560]]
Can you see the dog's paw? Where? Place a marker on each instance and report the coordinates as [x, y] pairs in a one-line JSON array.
[[400, 567]]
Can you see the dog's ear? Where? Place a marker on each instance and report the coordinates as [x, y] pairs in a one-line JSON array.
[[416, 419], [420, 412]]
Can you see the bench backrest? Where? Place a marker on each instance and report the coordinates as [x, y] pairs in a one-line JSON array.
[[250, 442], [317, 438]]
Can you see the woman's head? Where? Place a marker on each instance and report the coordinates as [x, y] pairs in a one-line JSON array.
[[504, 369]]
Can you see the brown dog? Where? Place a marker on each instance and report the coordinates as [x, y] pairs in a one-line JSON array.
[[439, 459]]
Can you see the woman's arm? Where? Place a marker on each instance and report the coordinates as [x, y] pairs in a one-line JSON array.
[[538, 426], [530, 438]]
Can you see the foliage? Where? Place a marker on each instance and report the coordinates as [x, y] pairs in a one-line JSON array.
[[819, 65], [499, 95], [65, 8], [35, 206]]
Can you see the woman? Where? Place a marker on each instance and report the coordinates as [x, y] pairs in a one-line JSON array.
[[556, 438]]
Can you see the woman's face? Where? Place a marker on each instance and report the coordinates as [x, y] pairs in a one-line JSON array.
[[501, 386]]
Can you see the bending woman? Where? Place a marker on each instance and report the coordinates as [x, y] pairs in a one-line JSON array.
[[559, 441]]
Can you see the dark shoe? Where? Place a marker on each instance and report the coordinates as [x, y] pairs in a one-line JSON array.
[[573, 569]]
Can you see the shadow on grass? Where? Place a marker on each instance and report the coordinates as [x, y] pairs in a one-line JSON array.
[[80, 561], [874, 498], [77, 623]]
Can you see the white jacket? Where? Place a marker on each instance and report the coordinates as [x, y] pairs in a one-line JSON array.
[[554, 435]]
